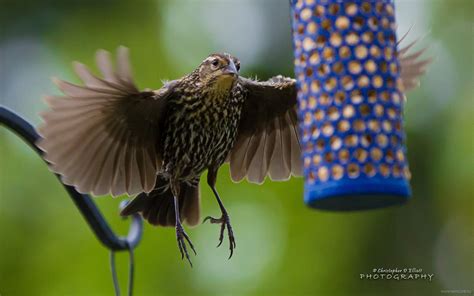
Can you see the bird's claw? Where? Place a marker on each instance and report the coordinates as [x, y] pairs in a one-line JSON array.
[[181, 236], [224, 220]]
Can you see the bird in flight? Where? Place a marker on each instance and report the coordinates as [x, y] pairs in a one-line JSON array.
[[108, 137]]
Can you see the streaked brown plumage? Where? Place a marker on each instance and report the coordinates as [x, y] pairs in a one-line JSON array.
[[109, 137]]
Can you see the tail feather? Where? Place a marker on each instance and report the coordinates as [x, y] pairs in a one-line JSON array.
[[158, 206]]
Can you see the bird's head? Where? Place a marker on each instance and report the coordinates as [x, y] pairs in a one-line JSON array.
[[219, 71]]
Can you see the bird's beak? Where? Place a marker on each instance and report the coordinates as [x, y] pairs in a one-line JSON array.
[[230, 69]]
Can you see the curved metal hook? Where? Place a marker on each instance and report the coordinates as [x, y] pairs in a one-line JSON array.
[[83, 202]]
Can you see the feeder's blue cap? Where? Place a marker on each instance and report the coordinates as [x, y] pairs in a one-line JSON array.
[[350, 195]]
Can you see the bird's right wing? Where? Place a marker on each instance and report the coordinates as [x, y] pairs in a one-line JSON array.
[[103, 137], [268, 141]]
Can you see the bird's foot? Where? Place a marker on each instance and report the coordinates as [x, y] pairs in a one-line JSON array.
[[224, 221], [181, 236]]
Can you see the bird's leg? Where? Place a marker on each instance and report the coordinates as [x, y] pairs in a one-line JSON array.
[[224, 220], [181, 235]]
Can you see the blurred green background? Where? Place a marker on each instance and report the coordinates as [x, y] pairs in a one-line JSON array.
[[283, 247]]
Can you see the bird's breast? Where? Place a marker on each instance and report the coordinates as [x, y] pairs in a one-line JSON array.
[[200, 134]]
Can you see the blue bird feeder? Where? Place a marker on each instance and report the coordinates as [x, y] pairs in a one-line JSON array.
[[350, 104]]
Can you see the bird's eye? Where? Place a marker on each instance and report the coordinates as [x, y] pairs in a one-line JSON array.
[[215, 63], [237, 66]]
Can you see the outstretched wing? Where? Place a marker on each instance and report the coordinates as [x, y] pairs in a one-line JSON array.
[[267, 140], [102, 137]]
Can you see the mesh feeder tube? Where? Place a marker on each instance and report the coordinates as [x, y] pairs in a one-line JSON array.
[[350, 104]]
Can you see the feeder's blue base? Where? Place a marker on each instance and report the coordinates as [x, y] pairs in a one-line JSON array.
[[353, 195]]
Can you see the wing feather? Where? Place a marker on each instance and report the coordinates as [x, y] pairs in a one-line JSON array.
[[103, 185], [296, 162], [119, 181], [269, 146], [278, 169], [250, 152], [257, 165], [76, 91], [412, 66], [124, 69], [135, 181], [286, 140], [104, 62], [92, 81]]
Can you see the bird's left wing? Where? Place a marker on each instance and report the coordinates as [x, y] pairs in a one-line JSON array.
[[267, 137], [412, 65], [104, 137]]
